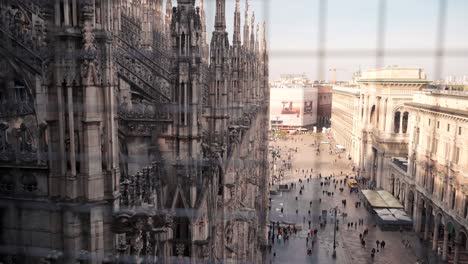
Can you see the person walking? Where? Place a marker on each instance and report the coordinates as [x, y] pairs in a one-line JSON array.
[[382, 244], [377, 243]]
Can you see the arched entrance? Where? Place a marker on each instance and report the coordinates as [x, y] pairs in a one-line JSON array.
[[421, 215], [401, 195], [396, 188], [461, 250], [429, 222], [410, 205], [438, 232], [448, 244]]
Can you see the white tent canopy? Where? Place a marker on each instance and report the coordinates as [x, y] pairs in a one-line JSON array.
[[381, 199], [393, 216]]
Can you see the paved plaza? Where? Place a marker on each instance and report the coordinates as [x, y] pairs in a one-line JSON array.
[[349, 248]]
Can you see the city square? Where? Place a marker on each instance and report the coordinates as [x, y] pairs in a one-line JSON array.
[[406, 245]]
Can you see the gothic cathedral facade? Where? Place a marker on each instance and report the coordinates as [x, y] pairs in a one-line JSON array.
[[126, 138]]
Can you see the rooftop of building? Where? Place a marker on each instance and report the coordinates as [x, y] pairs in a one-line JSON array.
[[292, 81], [394, 74], [442, 101], [349, 88]]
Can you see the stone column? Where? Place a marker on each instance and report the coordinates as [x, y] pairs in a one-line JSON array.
[[426, 227], [74, 13], [366, 110], [61, 124], [436, 235], [71, 235], [456, 256], [57, 12], [380, 170], [71, 130], [418, 223], [389, 118], [96, 239], [66, 13], [400, 131], [445, 245]]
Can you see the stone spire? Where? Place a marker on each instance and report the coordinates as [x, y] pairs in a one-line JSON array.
[[160, 16], [220, 19], [246, 25], [236, 38], [168, 20], [257, 42], [264, 42], [252, 32], [203, 21]]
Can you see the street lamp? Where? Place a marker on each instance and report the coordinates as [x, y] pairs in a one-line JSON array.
[[334, 235]]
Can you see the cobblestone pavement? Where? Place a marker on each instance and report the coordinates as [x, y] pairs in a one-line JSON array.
[[349, 249]]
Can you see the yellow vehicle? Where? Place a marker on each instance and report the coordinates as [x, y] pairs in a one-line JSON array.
[[352, 183]]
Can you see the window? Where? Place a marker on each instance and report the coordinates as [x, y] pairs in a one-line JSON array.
[[465, 209], [405, 122], [457, 155], [429, 121], [182, 45], [417, 136], [438, 124], [454, 196], [432, 183], [396, 123], [448, 127], [428, 143], [459, 131], [443, 192]]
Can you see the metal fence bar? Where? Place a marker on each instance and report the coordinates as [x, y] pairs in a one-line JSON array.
[[381, 22], [440, 39], [322, 26]]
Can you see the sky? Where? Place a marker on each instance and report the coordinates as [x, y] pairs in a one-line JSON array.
[[351, 33]]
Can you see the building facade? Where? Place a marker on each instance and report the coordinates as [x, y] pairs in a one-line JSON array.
[[431, 181], [293, 102], [124, 137], [344, 118], [324, 107], [383, 120], [412, 142]]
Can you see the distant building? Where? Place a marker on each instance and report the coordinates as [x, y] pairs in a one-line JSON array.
[[410, 139], [431, 181], [293, 102], [324, 105], [344, 115], [383, 123]]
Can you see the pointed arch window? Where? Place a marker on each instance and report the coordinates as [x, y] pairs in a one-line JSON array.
[[182, 44]]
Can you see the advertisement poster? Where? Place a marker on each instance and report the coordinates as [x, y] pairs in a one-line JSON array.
[[290, 107]]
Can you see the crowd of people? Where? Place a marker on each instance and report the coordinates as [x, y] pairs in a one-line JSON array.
[[331, 186]]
